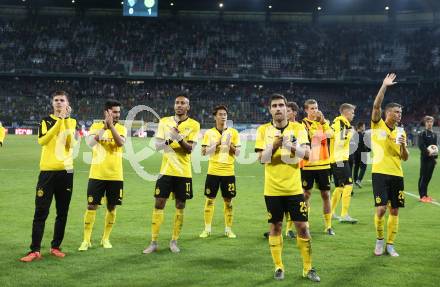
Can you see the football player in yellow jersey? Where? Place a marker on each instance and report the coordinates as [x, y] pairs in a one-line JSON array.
[[176, 136], [317, 168], [292, 112], [279, 145], [2, 134], [56, 135], [339, 154], [106, 176], [222, 144], [389, 148]]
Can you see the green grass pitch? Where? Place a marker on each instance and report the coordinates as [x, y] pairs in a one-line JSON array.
[[343, 260]]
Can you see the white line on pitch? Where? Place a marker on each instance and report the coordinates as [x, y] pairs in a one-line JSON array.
[[416, 196]]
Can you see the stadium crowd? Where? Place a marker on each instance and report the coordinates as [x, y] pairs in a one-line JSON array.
[[246, 102], [176, 47]]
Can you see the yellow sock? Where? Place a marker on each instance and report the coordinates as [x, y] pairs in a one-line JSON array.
[[178, 222], [110, 217], [227, 207], [276, 249], [305, 247], [209, 213], [156, 222], [346, 198], [336, 196], [392, 227], [327, 220], [289, 222], [379, 223], [89, 220]]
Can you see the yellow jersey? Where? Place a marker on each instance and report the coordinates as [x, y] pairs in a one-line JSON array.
[[282, 176], [57, 138], [106, 155], [386, 153], [340, 142], [2, 133], [319, 154], [177, 162], [221, 162]]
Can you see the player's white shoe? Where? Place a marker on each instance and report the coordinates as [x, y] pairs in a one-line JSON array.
[[391, 251], [152, 248], [378, 250], [173, 246], [85, 246]]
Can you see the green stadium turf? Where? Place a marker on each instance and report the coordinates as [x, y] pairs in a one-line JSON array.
[[343, 260]]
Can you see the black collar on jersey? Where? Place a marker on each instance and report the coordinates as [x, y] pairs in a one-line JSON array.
[[220, 131], [391, 129], [179, 122], [280, 129]]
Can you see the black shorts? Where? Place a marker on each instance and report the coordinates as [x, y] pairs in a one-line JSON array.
[[342, 173], [113, 190], [388, 189], [321, 177], [294, 205], [180, 186], [226, 184], [50, 183]]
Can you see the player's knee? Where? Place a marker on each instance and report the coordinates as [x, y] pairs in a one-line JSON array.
[[325, 194], [92, 207], [180, 204], [110, 208], [160, 203], [275, 228], [380, 210], [394, 211], [227, 200], [307, 194]]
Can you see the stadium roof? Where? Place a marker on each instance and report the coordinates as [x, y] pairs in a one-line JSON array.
[[326, 6]]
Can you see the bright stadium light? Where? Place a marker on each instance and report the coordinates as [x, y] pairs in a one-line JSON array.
[[220, 5], [122, 2], [172, 4], [73, 1], [319, 8], [270, 6], [387, 8]]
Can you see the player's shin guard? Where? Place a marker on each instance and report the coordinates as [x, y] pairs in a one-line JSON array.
[[328, 220], [379, 224], [305, 247], [156, 222], [209, 213], [336, 196], [346, 198], [110, 218], [178, 222], [276, 249], [392, 227], [227, 208], [89, 220]]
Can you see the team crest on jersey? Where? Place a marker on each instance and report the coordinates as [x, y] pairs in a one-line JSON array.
[[269, 216], [378, 200], [304, 183], [40, 192], [90, 199], [208, 191], [350, 179], [157, 191]]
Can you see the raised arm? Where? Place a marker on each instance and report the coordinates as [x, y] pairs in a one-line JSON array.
[[377, 105]]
